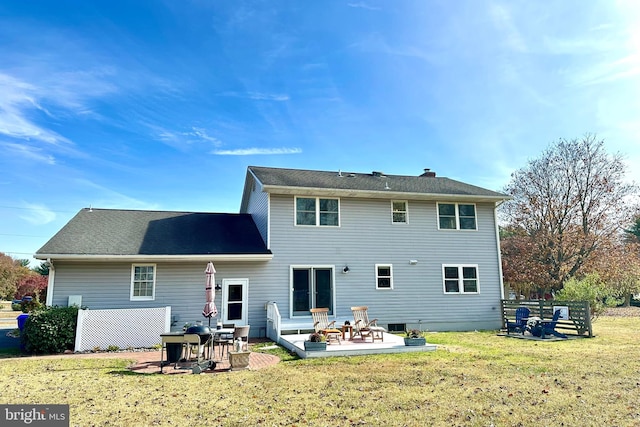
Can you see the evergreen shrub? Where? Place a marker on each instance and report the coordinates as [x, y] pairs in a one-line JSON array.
[[50, 330]]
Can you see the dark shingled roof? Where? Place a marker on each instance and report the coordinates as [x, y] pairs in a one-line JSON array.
[[369, 182], [132, 232]]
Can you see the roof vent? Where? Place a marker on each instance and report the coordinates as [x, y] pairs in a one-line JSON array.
[[339, 172], [427, 173], [376, 173]]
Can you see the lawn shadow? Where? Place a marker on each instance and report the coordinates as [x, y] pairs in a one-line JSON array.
[[551, 338]]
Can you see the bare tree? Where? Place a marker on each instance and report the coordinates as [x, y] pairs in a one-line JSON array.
[[566, 203]]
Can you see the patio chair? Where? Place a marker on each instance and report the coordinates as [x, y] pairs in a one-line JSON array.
[[224, 340], [520, 324], [548, 327], [322, 325], [239, 332], [364, 327], [242, 333]]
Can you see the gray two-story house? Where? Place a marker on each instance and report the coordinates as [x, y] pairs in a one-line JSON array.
[[417, 250]]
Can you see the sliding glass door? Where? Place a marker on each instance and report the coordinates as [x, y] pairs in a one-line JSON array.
[[311, 287]]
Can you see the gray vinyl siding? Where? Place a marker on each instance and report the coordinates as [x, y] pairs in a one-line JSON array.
[[107, 285], [367, 236], [258, 207]]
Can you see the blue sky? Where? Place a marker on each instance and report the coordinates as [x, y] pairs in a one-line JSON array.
[[163, 104]]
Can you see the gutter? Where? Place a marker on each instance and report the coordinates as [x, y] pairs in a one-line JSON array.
[[136, 258], [378, 194]]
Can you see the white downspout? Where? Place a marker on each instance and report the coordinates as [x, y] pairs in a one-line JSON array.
[[52, 275], [269, 221], [495, 218]]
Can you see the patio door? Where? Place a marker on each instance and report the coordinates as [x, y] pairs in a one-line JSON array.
[[234, 301], [311, 287]]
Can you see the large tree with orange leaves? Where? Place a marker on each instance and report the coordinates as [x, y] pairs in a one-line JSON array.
[[618, 265], [11, 271], [565, 205]]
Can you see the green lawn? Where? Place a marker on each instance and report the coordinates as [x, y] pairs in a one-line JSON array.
[[473, 379]]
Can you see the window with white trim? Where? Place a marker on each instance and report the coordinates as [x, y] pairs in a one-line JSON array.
[[384, 276], [456, 216], [399, 212], [460, 279], [317, 211], [143, 282]]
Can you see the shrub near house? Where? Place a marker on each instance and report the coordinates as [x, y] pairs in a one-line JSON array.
[[50, 330]]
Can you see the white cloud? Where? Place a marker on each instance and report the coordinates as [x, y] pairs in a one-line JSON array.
[[202, 133], [260, 96], [103, 197], [73, 89], [37, 214], [503, 20], [607, 52], [257, 151], [612, 71], [18, 99], [363, 5], [29, 152], [167, 136], [180, 139], [376, 43], [268, 96]]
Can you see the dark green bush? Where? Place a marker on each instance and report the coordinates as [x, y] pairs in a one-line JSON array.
[[31, 305], [50, 330], [16, 307]]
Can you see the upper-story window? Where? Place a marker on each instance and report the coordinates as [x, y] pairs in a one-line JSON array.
[[460, 279], [143, 282], [384, 276], [456, 216], [317, 211], [399, 212]]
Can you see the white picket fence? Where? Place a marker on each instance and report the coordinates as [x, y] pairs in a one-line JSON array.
[[125, 328]]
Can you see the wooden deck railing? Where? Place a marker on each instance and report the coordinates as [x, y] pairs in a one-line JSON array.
[[578, 323]]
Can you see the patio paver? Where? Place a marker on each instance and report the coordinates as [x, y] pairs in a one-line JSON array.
[[149, 363]]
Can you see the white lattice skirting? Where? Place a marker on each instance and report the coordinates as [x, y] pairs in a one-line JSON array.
[[130, 327]]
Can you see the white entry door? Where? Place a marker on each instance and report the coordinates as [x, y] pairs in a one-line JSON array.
[[234, 301]]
